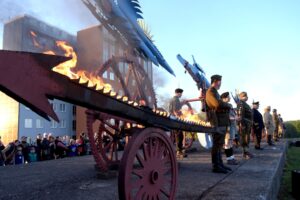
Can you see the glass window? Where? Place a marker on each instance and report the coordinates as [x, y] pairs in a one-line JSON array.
[[39, 123], [111, 76], [104, 75], [74, 125], [53, 124], [28, 123], [62, 107], [54, 106], [62, 123]]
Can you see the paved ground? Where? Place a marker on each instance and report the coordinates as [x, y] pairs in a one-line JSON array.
[[76, 178]]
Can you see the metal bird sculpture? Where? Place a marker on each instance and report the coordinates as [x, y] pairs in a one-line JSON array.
[[196, 72], [120, 18]]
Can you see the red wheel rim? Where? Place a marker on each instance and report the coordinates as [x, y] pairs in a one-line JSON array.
[[148, 168]]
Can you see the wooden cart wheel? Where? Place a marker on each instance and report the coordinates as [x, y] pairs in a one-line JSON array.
[[105, 139], [108, 140], [148, 168]]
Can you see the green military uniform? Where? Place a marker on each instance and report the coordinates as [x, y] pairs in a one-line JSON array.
[[245, 113], [276, 123], [218, 116]]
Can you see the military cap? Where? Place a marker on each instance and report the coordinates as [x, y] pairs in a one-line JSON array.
[[243, 94], [255, 103], [224, 95], [274, 110], [216, 77], [179, 90]]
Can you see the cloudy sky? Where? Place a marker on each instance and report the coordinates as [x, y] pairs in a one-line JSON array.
[[254, 44]]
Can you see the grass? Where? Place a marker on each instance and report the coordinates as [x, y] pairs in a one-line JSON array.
[[292, 163]]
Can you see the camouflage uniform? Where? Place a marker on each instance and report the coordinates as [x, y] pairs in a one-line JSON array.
[[245, 113], [276, 123]]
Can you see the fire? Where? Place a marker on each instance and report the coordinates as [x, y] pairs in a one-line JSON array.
[[34, 39], [68, 68], [190, 115]]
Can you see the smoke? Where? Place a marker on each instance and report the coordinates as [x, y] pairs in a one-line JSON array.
[[69, 15]]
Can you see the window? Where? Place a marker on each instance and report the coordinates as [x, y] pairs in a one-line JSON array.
[[104, 74], [112, 76], [62, 123], [133, 82], [53, 124], [54, 106], [74, 125], [39, 123], [62, 107], [28, 123], [74, 110]]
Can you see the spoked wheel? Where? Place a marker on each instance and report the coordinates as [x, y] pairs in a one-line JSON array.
[[148, 168], [105, 138], [108, 140]]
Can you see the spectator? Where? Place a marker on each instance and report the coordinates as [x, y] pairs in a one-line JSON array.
[[60, 148], [25, 149], [19, 157], [52, 148], [45, 148], [72, 148], [38, 148], [2, 147], [32, 155], [8, 154], [79, 143]]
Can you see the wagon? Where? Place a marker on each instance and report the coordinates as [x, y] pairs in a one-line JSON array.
[[147, 166]]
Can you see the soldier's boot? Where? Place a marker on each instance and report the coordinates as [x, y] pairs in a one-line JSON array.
[[216, 165], [270, 140], [221, 161]]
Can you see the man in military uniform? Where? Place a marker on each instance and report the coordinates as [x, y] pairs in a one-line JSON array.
[[276, 123], [245, 123], [231, 131], [215, 113], [269, 125], [175, 109], [258, 125], [281, 127]]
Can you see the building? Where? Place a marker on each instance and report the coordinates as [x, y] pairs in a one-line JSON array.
[[26, 33], [94, 46]]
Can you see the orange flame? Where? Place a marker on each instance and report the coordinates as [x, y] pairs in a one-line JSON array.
[[34, 36]]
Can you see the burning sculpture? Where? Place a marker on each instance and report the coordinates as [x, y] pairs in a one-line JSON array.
[[147, 168]]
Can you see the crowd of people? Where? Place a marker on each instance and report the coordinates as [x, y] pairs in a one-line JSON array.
[[234, 126], [44, 147]]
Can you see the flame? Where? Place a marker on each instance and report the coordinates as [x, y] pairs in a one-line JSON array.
[[49, 52], [68, 68], [190, 116], [34, 36]]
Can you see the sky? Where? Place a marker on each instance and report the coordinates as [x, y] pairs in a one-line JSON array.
[[253, 44]]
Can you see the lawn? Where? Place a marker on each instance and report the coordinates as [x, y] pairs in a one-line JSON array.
[[292, 163]]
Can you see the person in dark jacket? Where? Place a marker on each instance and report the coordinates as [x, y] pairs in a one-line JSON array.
[[258, 125], [245, 123], [231, 131], [216, 110]]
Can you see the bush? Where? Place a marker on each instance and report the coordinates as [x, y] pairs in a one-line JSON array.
[[292, 129]]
